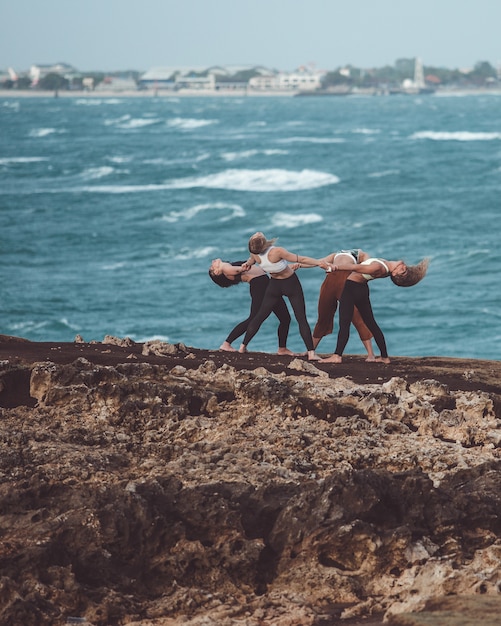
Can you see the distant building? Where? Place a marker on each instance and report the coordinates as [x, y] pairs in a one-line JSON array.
[[37, 72], [196, 78], [284, 81], [115, 84]]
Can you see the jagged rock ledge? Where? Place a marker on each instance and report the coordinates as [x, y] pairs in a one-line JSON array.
[[160, 485]]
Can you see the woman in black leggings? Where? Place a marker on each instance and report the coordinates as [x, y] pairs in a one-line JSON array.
[[356, 294], [275, 261], [227, 274]]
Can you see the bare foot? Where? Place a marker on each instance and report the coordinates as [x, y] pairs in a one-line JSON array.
[[285, 351], [334, 358], [312, 356], [227, 347], [242, 349], [380, 359], [370, 359]]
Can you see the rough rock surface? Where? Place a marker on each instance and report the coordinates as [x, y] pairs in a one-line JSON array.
[[164, 485]]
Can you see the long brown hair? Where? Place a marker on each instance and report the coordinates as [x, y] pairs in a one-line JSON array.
[[413, 275]]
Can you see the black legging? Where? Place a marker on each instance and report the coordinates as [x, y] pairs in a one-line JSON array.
[[277, 288], [357, 295], [258, 287]]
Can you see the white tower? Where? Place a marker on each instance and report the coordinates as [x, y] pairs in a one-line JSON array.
[[418, 74]]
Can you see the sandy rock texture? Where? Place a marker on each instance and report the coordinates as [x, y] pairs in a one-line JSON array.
[[161, 485]]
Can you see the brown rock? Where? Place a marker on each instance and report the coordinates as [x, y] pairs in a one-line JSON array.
[[217, 488]]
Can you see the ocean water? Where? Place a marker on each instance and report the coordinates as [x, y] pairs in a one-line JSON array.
[[111, 210]]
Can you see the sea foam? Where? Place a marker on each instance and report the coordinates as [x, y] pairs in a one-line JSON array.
[[93, 173], [9, 160], [455, 136], [258, 180], [234, 179], [189, 123], [247, 154], [290, 220], [43, 132], [311, 140], [229, 211]]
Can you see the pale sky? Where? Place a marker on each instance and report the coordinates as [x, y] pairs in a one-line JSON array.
[[111, 35]]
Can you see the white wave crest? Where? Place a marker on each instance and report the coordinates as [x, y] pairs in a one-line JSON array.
[[383, 173], [92, 102], [9, 160], [139, 122], [188, 123], [258, 180], [234, 210], [291, 220], [236, 180], [188, 159], [94, 173], [455, 136], [246, 154], [197, 253], [366, 131], [146, 338], [120, 120], [312, 140], [42, 132], [115, 189]]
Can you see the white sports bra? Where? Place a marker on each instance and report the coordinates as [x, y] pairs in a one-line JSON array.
[[368, 262], [269, 266]]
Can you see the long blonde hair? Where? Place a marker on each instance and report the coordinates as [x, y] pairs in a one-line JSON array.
[[414, 274], [258, 243]]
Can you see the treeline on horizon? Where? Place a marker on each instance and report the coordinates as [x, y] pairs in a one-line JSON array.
[[481, 75]]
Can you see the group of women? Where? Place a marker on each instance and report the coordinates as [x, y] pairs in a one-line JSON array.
[[270, 271]]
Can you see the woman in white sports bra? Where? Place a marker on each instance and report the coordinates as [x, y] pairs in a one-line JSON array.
[[356, 293], [284, 282]]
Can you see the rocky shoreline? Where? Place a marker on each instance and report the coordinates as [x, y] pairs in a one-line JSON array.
[[159, 484]]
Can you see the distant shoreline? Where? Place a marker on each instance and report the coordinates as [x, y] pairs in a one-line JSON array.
[[241, 93]]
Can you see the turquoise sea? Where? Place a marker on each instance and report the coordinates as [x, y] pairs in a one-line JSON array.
[[111, 210]]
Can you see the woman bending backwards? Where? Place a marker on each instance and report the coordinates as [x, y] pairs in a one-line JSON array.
[[275, 261], [356, 294], [227, 274]]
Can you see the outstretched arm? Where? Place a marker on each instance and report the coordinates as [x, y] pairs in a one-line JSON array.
[[373, 269], [232, 270], [304, 261]]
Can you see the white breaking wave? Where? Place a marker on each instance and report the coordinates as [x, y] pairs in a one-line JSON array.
[[96, 101], [455, 136], [94, 173], [188, 159], [383, 173], [290, 220], [258, 180], [189, 123], [9, 160], [120, 159], [236, 180], [198, 253], [42, 132], [366, 131], [119, 120], [246, 154], [234, 210], [110, 267], [312, 140], [137, 123]]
